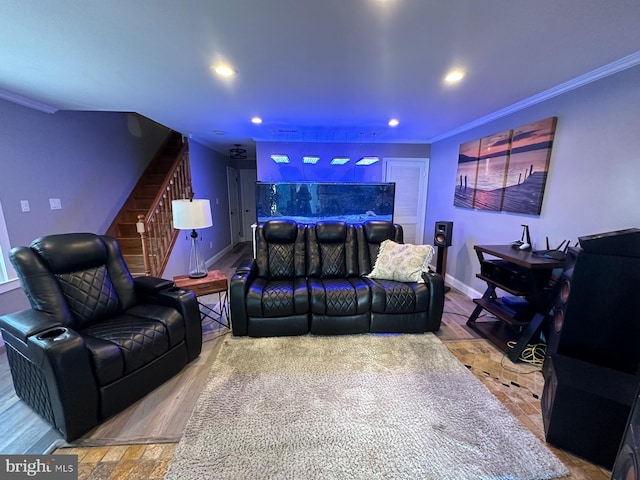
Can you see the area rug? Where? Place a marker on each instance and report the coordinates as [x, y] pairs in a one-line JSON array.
[[352, 407]]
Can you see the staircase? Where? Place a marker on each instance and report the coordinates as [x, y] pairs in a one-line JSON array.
[[143, 227]]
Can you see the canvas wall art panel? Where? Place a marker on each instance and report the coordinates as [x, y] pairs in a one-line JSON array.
[[506, 171], [467, 172], [528, 167]]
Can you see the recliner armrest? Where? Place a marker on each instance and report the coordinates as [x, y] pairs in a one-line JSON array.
[[238, 289], [56, 367], [435, 282], [26, 323], [186, 303], [151, 284]]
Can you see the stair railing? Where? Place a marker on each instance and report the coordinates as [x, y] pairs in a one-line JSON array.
[[156, 227]]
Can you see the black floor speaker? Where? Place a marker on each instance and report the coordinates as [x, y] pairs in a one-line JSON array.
[[585, 407], [595, 315], [627, 462]]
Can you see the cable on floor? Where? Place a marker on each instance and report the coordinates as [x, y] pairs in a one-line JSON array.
[[533, 354]]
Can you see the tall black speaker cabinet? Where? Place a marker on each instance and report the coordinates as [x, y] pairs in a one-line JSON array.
[[592, 367], [585, 407], [597, 310], [627, 465]]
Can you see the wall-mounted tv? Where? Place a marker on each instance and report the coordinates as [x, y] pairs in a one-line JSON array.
[[310, 202]]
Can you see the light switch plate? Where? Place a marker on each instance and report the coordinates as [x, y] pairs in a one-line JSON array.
[[24, 204], [55, 204]]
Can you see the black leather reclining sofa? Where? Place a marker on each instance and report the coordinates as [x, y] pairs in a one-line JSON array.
[[311, 278]]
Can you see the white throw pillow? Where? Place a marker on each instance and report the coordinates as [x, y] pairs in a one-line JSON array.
[[402, 262]]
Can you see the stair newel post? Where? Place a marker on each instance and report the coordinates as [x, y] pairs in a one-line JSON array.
[[153, 237], [162, 227], [166, 221], [143, 239]]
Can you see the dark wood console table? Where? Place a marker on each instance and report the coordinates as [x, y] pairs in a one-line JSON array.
[[522, 274]]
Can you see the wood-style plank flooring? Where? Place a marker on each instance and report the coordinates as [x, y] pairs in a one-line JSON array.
[[139, 442]]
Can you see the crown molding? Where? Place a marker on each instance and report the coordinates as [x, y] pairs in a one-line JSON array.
[[27, 102], [612, 68]]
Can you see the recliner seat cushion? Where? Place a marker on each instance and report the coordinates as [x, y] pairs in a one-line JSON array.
[[339, 296], [277, 298], [389, 296], [139, 341]]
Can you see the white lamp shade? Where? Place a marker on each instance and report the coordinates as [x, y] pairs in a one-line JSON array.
[[191, 214]]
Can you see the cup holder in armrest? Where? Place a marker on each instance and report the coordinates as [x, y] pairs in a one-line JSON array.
[[177, 290], [54, 334]]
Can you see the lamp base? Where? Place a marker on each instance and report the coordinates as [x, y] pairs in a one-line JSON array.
[[197, 267], [198, 274]]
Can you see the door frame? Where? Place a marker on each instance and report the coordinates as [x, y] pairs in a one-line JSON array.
[[232, 176], [422, 204], [246, 232]]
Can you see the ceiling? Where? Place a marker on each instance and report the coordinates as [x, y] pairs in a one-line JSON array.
[[313, 70]]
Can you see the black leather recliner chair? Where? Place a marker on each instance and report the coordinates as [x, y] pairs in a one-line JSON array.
[[95, 339], [403, 307], [269, 297], [340, 299]]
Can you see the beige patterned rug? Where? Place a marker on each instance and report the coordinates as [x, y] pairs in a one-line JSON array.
[[363, 407]]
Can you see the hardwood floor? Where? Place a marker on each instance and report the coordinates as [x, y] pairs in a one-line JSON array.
[[139, 442]]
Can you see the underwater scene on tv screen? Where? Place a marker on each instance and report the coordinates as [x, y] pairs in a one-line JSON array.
[[310, 202]]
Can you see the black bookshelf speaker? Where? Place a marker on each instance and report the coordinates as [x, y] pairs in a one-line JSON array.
[[595, 315], [585, 407], [443, 234], [627, 464]]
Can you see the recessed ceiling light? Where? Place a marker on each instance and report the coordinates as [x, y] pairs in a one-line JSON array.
[[394, 122], [454, 76], [256, 120], [224, 70], [312, 159], [339, 160]]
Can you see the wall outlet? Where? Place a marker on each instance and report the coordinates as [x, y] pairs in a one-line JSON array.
[[24, 204], [55, 204]]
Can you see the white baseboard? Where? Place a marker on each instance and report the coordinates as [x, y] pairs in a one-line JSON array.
[[218, 256], [458, 285]]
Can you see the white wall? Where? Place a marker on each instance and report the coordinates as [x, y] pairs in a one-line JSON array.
[[593, 184]]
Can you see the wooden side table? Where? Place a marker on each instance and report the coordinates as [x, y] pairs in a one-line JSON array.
[[214, 282]]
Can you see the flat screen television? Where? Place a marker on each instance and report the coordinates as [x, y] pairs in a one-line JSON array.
[[310, 202]]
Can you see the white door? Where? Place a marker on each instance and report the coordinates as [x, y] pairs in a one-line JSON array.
[[234, 204], [410, 176], [248, 202]]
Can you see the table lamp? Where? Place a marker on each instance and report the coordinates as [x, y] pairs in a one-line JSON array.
[[190, 215]]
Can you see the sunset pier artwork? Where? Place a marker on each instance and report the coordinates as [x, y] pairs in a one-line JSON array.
[[506, 171], [520, 198]]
